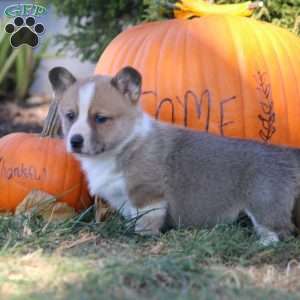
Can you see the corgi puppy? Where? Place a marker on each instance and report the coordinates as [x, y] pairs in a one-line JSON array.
[[169, 176]]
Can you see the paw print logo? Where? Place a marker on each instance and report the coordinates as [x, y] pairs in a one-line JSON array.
[[24, 32]]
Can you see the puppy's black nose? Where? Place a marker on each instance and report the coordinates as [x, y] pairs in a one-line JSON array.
[[76, 141]]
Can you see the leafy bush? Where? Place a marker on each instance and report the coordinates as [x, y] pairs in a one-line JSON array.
[[93, 23], [280, 12]]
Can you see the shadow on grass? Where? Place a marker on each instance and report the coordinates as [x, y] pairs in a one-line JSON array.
[[165, 277], [117, 264]]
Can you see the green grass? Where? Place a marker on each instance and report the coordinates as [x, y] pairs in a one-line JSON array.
[[79, 259]]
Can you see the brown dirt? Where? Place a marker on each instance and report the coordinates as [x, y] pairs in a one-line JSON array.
[[22, 118]]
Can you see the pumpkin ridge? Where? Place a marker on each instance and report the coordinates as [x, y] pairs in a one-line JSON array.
[[15, 150], [126, 52], [184, 56], [59, 168], [7, 143], [180, 34], [291, 65], [203, 57], [231, 34], [123, 51], [65, 168], [13, 154], [134, 48], [144, 61], [46, 162], [200, 58], [140, 49], [290, 61], [164, 40], [214, 69]]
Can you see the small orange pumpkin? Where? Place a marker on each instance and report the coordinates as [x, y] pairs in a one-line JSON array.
[[232, 76], [30, 161]]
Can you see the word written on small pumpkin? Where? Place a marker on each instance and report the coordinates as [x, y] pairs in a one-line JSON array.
[[21, 171]]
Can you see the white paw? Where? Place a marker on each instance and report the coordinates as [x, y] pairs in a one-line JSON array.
[[269, 239]]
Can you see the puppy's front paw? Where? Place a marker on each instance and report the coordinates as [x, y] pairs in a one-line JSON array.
[[150, 219], [146, 229]]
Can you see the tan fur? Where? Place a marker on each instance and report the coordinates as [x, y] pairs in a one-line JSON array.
[[122, 113]]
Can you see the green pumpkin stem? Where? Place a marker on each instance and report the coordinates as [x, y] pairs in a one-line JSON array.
[[52, 123]]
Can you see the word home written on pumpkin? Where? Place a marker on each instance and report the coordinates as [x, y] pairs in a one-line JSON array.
[[200, 106], [203, 105]]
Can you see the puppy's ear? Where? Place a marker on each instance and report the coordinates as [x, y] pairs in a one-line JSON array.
[[129, 82], [61, 79]]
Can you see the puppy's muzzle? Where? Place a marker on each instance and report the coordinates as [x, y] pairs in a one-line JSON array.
[[76, 142]]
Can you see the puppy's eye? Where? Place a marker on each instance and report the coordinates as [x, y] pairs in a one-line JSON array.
[[70, 115], [100, 119]]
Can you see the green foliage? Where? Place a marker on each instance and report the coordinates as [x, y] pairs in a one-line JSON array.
[[283, 13], [17, 67], [157, 10], [94, 23]]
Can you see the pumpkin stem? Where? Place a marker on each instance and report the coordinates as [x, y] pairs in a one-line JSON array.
[[52, 123], [186, 9]]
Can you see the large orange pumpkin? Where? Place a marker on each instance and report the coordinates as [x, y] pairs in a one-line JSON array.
[[30, 161], [228, 75]]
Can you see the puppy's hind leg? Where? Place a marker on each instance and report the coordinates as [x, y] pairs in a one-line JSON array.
[[270, 209], [272, 221], [151, 218], [266, 236]]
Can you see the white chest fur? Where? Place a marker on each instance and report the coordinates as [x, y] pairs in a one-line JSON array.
[[106, 181]]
